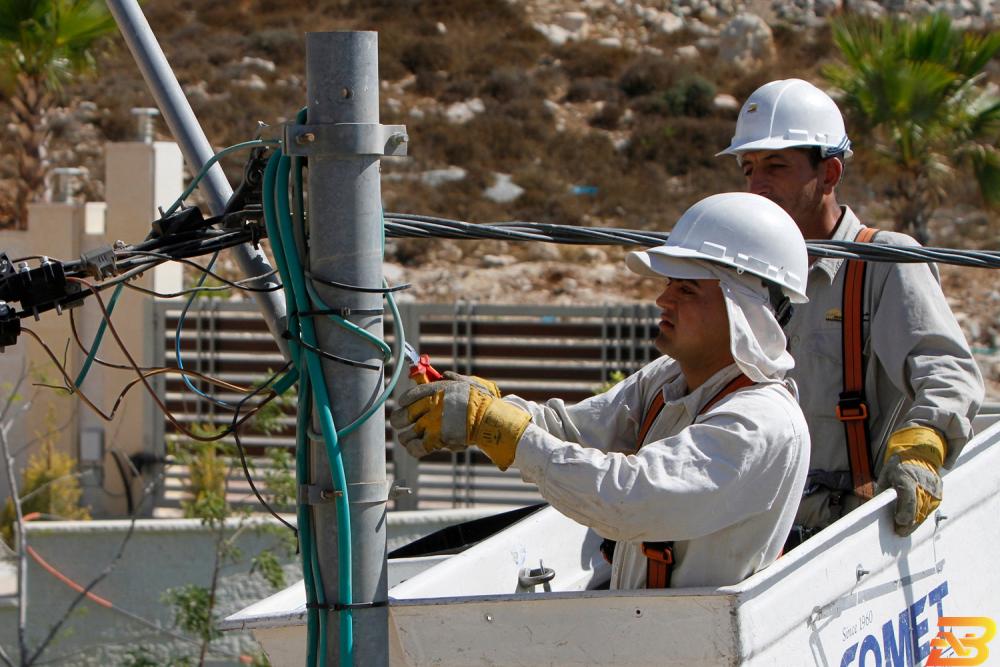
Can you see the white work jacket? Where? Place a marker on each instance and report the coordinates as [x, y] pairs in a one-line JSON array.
[[723, 485], [918, 367]]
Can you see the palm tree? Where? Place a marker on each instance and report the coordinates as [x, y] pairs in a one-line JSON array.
[[42, 44], [916, 92]]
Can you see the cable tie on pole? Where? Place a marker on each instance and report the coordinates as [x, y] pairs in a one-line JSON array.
[[357, 288], [343, 311], [337, 606], [318, 605]]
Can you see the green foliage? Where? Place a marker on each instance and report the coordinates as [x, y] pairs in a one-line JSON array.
[[141, 657], [691, 96], [260, 660], [49, 486], [270, 568], [193, 610], [50, 40], [208, 469], [613, 378], [207, 473], [267, 419], [915, 91], [280, 478]]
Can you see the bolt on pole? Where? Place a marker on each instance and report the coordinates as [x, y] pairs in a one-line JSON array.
[[197, 151], [344, 142]]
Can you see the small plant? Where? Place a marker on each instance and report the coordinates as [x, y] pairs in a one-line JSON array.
[[50, 486], [209, 465]]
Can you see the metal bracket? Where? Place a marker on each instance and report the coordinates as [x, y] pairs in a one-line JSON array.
[[398, 489], [346, 140], [361, 492], [310, 494]]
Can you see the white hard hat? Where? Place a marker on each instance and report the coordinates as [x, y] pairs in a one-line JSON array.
[[736, 230], [790, 113]]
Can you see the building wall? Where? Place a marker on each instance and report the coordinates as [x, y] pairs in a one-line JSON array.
[[161, 554]]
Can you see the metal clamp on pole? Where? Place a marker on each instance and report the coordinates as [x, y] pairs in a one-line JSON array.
[[310, 494], [360, 492], [346, 140]]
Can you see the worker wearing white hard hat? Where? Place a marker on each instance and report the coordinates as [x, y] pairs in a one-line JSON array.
[[886, 379], [692, 467]]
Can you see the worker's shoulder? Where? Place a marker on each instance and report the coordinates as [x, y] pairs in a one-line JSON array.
[[761, 400], [889, 237]]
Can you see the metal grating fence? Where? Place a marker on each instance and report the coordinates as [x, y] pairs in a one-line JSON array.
[[536, 352]]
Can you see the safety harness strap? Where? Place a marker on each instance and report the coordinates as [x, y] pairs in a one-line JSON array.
[[852, 409], [660, 555]]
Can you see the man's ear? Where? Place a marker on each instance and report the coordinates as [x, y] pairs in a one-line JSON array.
[[832, 172]]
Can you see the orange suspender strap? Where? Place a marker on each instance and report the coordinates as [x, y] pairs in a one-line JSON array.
[[660, 555], [655, 408], [852, 409]]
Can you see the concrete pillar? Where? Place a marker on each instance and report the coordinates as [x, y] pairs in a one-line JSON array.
[[54, 231], [139, 178]]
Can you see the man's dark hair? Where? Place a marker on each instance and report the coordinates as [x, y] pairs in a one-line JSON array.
[[815, 155]]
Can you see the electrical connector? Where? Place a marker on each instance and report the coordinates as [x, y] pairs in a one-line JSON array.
[[8, 288], [183, 220], [99, 263], [10, 326], [39, 289]]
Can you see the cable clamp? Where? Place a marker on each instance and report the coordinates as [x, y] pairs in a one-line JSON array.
[[345, 140], [357, 493], [310, 494]]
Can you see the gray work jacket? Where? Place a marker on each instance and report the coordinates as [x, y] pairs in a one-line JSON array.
[[919, 370]]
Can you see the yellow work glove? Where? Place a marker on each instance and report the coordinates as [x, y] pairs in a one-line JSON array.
[[912, 459], [455, 413]]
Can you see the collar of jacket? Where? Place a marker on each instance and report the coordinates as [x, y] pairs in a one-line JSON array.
[[692, 402], [846, 230]]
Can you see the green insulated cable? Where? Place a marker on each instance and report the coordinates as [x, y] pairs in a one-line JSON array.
[[322, 406]]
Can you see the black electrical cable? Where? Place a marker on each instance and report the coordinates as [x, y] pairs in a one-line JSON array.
[[288, 335], [207, 271], [234, 429], [126, 482]]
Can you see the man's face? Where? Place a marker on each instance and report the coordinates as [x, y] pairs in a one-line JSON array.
[[787, 178], [694, 325]]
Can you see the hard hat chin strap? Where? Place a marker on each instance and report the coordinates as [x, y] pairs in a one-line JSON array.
[[780, 303], [836, 151]]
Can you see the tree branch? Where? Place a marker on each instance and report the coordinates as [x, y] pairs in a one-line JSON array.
[[20, 541], [49, 483], [54, 629]]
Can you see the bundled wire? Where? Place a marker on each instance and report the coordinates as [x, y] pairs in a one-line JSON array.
[[405, 225]]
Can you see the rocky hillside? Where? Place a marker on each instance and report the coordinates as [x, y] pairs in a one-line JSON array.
[[600, 112]]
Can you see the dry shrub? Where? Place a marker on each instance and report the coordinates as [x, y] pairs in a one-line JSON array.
[[607, 118], [590, 60], [647, 75], [426, 55], [508, 84], [585, 90], [680, 144]]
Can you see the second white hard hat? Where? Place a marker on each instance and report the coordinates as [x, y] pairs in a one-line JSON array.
[[790, 113], [737, 230]]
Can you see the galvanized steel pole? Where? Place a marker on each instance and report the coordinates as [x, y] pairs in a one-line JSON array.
[[345, 245], [187, 131]]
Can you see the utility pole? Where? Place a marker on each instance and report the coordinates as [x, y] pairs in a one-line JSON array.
[[344, 141], [194, 145]]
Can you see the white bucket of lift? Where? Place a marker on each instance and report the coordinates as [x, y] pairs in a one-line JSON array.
[[855, 594]]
